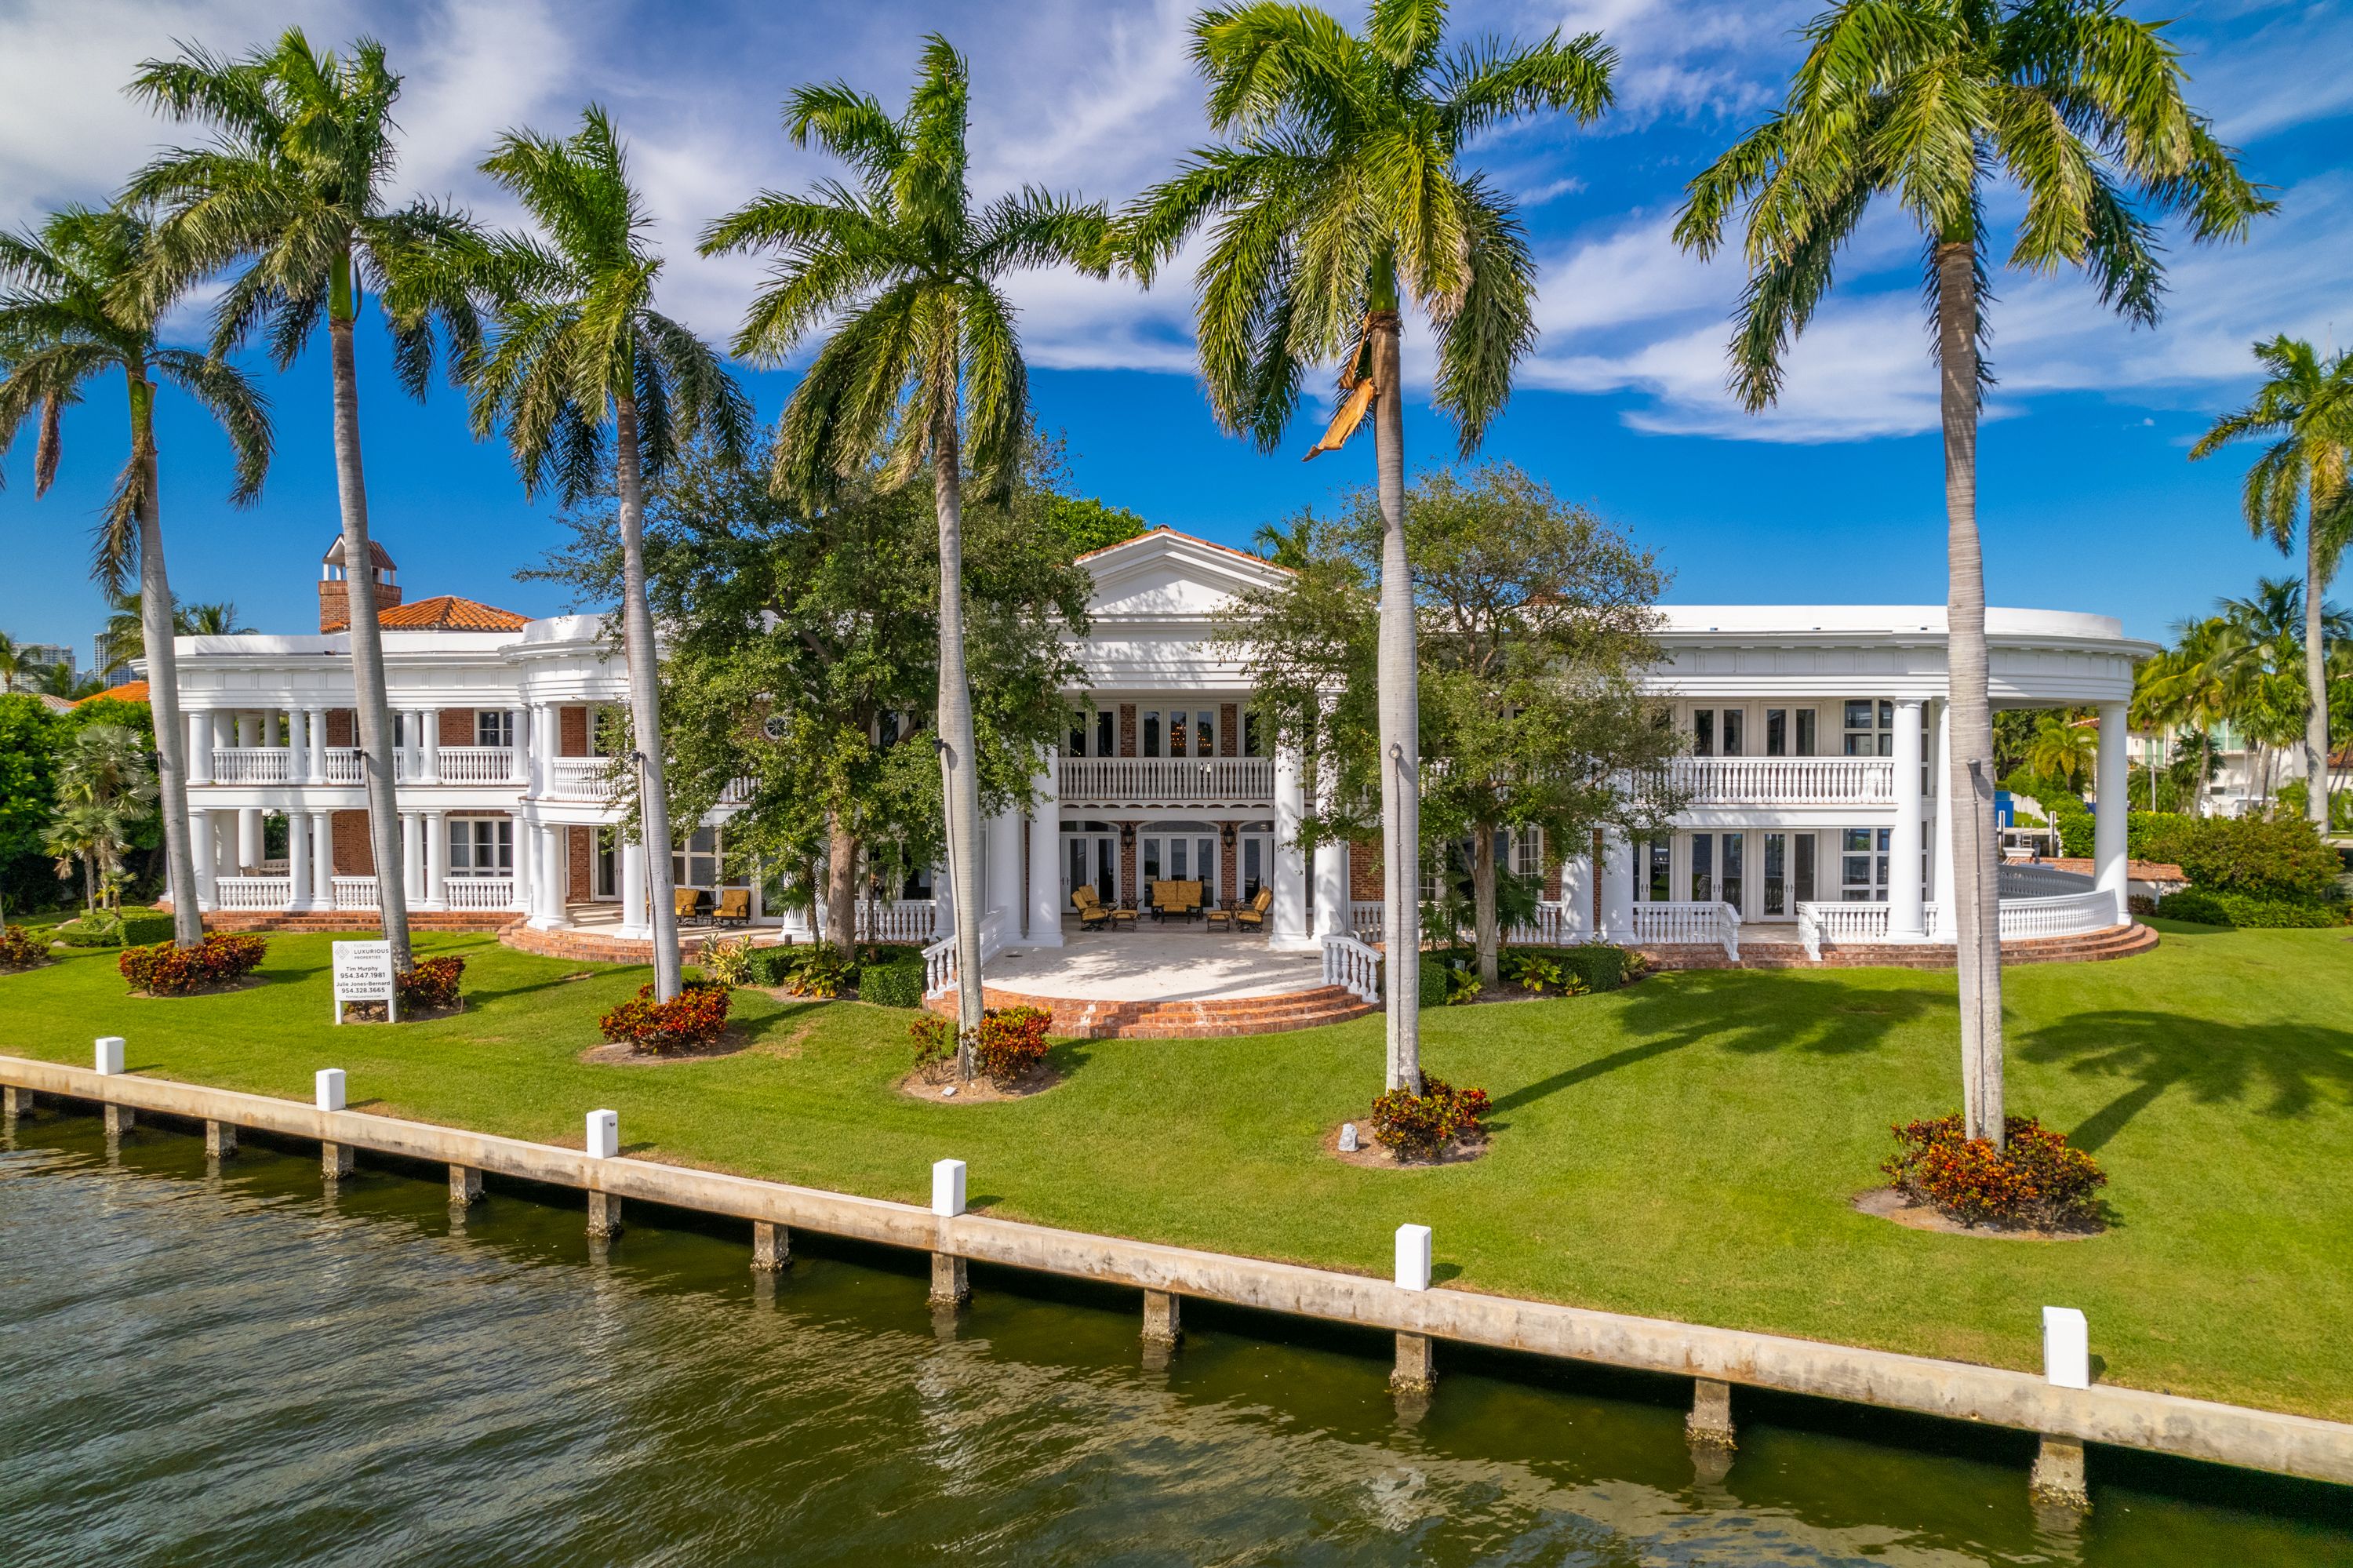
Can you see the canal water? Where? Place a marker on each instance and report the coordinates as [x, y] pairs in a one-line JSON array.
[[231, 1366]]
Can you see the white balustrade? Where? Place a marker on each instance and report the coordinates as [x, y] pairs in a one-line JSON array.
[[270, 892], [2022, 919], [343, 765], [2070, 914], [940, 958], [252, 765], [354, 893], [737, 792], [1858, 922], [478, 765], [901, 920], [1546, 930], [1366, 916], [579, 779], [2030, 880], [1691, 924], [1353, 964], [1785, 781], [1166, 780], [478, 892]]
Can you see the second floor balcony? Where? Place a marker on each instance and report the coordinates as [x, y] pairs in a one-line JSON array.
[[289, 764], [1785, 781], [1158, 781]]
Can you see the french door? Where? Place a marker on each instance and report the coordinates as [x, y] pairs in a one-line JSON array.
[[1253, 864], [1179, 857], [1090, 860]]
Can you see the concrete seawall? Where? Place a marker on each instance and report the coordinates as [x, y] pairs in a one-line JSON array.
[[2199, 1429]]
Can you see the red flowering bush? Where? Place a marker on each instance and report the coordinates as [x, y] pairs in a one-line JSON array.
[[432, 983], [695, 1017], [20, 950], [167, 971], [2035, 1180], [1420, 1127], [1012, 1041]]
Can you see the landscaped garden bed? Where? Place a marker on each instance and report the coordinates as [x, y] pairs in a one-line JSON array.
[[1687, 1147]]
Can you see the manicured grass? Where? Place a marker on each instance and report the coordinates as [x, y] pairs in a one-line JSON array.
[[1686, 1147]]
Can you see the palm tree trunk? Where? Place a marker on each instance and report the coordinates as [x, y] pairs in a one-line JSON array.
[[644, 701], [959, 780], [841, 882], [2316, 677], [1977, 914], [1401, 708], [371, 704], [1487, 928], [162, 673]]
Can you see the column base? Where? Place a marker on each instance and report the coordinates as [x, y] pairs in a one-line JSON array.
[[1282, 944], [549, 923]]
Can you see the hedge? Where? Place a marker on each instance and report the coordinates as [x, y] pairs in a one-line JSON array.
[[2254, 911], [2279, 857], [896, 983]]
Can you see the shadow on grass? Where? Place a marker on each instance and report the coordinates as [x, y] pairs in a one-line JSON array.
[[2216, 1062], [1749, 1013]]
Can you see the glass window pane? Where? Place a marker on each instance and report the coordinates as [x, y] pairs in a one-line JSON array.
[[1887, 715], [1151, 734], [1735, 848], [1804, 891], [1250, 735], [1106, 735], [1858, 713], [1806, 732], [1776, 732], [1856, 870], [1703, 867], [1659, 884], [1176, 733], [1857, 839], [1777, 858], [1704, 733], [1151, 860], [1205, 735], [1078, 735], [1734, 720]]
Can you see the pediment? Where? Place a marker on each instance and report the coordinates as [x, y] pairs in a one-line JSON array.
[[1165, 573]]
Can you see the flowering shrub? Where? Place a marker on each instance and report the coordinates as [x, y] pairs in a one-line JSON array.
[[934, 1040], [697, 1016], [166, 971], [20, 950], [432, 983], [1012, 1041], [1420, 1127], [2035, 1180], [728, 962]]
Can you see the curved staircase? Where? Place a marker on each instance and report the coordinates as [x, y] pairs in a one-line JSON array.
[[2095, 946], [1096, 1018]]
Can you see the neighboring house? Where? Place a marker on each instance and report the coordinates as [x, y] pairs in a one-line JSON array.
[[1818, 801]]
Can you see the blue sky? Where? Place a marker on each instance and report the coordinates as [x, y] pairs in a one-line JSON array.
[[2088, 501]]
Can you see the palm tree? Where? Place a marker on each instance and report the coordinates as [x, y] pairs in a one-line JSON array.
[[2259, 659], [125, 635], [2061, 749], [291, 188], [597, 388], [105, 790], [1930, 101], [2183, 688], [2306, 406], [12, 662], [67, 316], [1339, 197], [923, 364]]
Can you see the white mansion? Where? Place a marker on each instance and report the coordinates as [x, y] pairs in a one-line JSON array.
[[1818, 807]]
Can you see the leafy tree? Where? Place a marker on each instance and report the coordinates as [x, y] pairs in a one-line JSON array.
[[29, 738], [12, 663], [1930, 102], [105, 790], [1535, 623], [597, 388], [923, 366], [1339, 197], [1287, 545], [2258, 657], [76, 310], [2307, 406], [291, 190], [2061, 749], [1087, 524]]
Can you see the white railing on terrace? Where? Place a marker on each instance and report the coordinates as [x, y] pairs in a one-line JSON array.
[[1785, 781], [1166, 780], [940, 958], [2068, 914], [2022, 919], [899, 920], [1353, 964], [1548, 930], [253, 765], [252, 892], [1692, 924], [356, 893], [1367, 917], [579, 779], [2039, 882], [478, 765], [343, 764], [1818, 923], [477, 893]]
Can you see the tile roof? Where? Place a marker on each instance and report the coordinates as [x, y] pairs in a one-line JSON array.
[[129, 691], [448, 612]]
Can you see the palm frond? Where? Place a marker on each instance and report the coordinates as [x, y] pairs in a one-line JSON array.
[[1485, 84], [1481, 342], [236, 404]]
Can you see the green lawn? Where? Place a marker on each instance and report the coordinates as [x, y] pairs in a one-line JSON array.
[[1685, 1148]]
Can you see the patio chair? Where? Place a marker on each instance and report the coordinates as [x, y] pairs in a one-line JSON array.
[[1092, 912], [1253, 913], [690, 904], [735, 907], [1121, 913]]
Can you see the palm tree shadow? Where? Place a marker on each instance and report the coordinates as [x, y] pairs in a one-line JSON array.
[[1746, 1012], [2217, 1064]]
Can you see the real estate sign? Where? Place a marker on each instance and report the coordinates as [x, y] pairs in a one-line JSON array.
[[364, 974]]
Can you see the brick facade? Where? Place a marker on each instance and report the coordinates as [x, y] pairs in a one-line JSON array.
[[1363, 870], [1228, 860], [354, 856], [342, 725], [579, 869], [457, 726], [1229, 730], [1127, 729], [572, 732]]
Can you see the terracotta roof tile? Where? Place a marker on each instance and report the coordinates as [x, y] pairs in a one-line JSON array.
[[129, 691], [448, 612]]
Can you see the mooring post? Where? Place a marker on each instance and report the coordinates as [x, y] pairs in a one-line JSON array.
[[1417, 1370], [221, 1139], [1162, 1319], [465, 1186], [603, 1137], [2058, 1476], [950, 1285], [1710, 1423], [120, 1119], [772, 1247]]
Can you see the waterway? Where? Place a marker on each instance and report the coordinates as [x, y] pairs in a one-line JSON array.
[[232, 1365]]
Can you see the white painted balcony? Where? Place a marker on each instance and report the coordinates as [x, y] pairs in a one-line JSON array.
[[253, 765], [899, 920], [1136, 781], [579, 779], [478, 765], [355, 892], [252, 892], [1785, 781], [477, 893]]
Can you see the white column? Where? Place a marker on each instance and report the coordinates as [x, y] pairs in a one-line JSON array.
[[1576, 897], [1944, 857], [635, 922], [201, 844], [412, 857], [1616, 887], [2110, 825], [942, 907], [1046, 856], [298, 861], [314, 737], [269, 727], [322, 863], [1903, 912], [431, 720], [1002, 883], [1331, 890], [1287, 928], [436, 861], [200, 747], [249, 841], [519, 750], [249, 729], [526, 862]]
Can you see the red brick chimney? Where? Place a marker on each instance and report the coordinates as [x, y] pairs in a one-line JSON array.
[[334, 603]]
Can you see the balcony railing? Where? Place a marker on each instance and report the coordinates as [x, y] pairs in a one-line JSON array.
[[1785, 781], [1168, 780], [899, 920], [478, 765], [356, 893], [253, 765], [252, 892], [579, 779], [477, 893]]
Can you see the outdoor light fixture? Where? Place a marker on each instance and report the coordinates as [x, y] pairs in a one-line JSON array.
[[1226, 831]]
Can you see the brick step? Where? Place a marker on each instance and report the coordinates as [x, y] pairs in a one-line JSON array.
[[2120, 942], [1095, 1018], [314, 921]]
